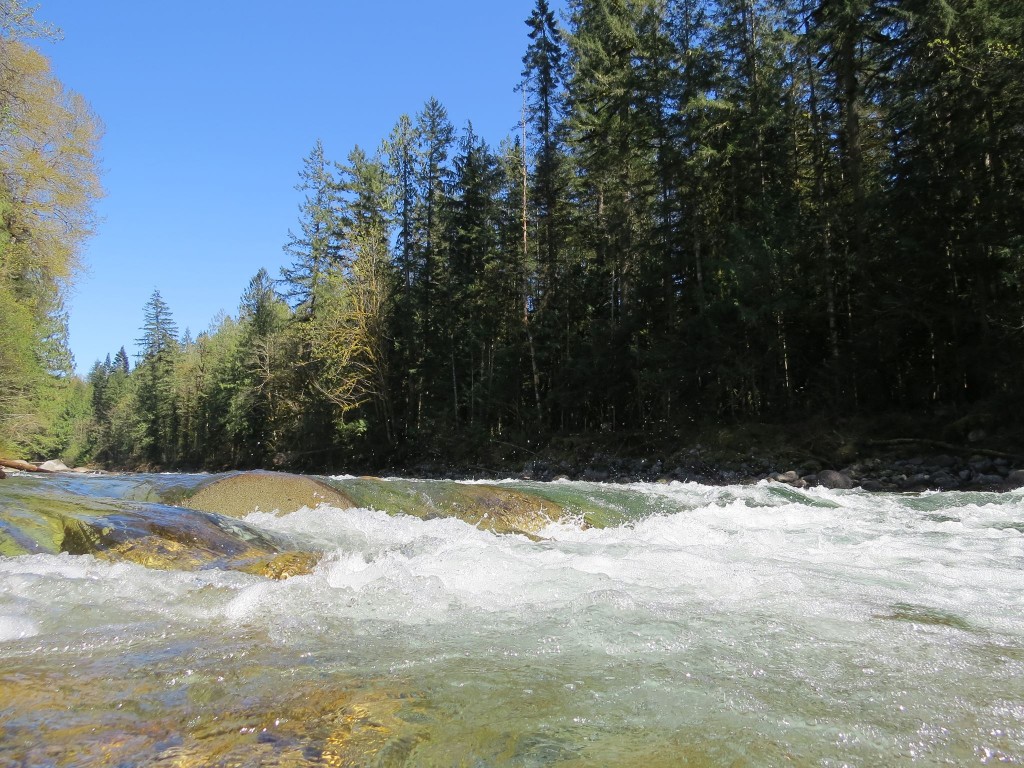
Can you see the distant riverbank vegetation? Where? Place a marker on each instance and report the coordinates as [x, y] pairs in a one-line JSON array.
[[714, 212]]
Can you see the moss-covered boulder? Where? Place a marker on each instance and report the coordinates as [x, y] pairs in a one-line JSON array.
[[238, 495], [494, 508]]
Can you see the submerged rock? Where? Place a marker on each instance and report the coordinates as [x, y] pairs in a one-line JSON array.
[[256, 719], [37, 518], [241, 494], [493, 508], [282, 566]]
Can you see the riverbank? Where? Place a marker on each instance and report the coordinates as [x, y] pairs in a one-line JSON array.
[[892, 453], [890, 470]]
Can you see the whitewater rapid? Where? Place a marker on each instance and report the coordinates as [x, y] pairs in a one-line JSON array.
[[749, 625]]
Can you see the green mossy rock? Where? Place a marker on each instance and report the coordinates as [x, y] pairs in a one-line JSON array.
[[494, 508], [40, 518], [240, 494]]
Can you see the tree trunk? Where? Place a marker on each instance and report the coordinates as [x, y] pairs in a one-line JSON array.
[[22, 465]]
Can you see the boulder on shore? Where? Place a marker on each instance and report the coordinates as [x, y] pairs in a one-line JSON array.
[[1015, 479], [829, 478]]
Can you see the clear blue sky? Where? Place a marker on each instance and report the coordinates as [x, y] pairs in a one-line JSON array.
[[211, 106]]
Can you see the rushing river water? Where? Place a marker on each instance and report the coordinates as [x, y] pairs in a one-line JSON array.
[[736, 626]]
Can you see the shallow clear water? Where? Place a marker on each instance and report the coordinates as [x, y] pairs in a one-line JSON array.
[[745, 625]]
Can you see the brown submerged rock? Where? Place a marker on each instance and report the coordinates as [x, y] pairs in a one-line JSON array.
[[167, 554], [282, 566], [276, 492], [492, 508], [257, 719]]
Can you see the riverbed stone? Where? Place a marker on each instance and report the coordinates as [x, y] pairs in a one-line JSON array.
[[38, 519], [282, 566], [915, 482], [991, 479], [1015, 479], [275, 492], [829, 478], [494, 508], [944, 481], [981, 464], [54, 465]]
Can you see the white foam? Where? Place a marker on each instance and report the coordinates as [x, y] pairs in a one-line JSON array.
[[762, 597], [17, 628], [809, 555]]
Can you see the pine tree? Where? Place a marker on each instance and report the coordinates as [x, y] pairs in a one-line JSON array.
[[435, 134], [471, 324], [158, 352], [254, 375], [952, 95], [615, 112], [317, 247], [121, 362], [402, 165], [544, 73]]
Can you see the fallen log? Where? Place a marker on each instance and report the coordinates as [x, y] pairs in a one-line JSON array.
[[23, 465]]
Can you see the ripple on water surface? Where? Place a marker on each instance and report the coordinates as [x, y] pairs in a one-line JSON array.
[[746, 625]]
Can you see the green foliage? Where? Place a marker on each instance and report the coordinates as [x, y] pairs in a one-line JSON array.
[[48, 183], [713, 211], [20, 374]]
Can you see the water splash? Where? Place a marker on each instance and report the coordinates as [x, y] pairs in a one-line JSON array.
[[751, 625]]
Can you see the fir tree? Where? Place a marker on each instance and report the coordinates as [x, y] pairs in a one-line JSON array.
[[158, 351], [316, 247]]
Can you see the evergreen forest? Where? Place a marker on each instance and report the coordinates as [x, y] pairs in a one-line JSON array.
[[715, 211]]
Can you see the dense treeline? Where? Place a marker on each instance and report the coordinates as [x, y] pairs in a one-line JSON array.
[[715, 210], [48, 183]]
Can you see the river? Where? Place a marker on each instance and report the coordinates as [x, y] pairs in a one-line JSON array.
[[740, 626]]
